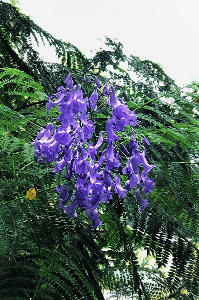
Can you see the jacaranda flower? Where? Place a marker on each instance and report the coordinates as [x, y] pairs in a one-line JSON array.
[[106, 89], [94, 171]]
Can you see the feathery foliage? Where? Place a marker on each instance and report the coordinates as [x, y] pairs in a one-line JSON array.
[[44, 255]]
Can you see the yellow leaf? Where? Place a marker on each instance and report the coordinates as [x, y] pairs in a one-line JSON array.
[[31, 194]]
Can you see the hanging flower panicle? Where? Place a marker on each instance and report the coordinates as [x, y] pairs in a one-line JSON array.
[[97, 174]]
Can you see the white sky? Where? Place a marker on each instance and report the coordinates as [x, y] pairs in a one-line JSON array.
[[164, 31]]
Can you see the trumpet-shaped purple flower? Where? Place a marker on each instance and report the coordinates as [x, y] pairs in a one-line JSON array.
[[145, 164], [93, 99], [62, 136], [106, 89], [46, 133], [60, 165], [92, 150], [64, 195], [134, 180], [118, 188], [111, 136], [94, 217], [114, 101], [121, 112], [51, 104], [148, 185], [143, 202], [112, 160], [70, 210]]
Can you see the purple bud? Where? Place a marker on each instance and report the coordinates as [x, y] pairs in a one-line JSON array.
[[125, 150], [106, 90], [88, 79], [97, 82], [145, 141], [69, 82]]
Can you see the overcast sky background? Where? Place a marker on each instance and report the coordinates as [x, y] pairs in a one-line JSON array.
[[166, 32]]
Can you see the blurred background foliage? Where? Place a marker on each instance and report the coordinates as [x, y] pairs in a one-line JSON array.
[[43, 254]]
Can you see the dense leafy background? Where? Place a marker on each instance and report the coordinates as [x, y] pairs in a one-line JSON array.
[[43, 254]]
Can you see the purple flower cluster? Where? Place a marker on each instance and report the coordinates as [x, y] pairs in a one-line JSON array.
[[97, 174]]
